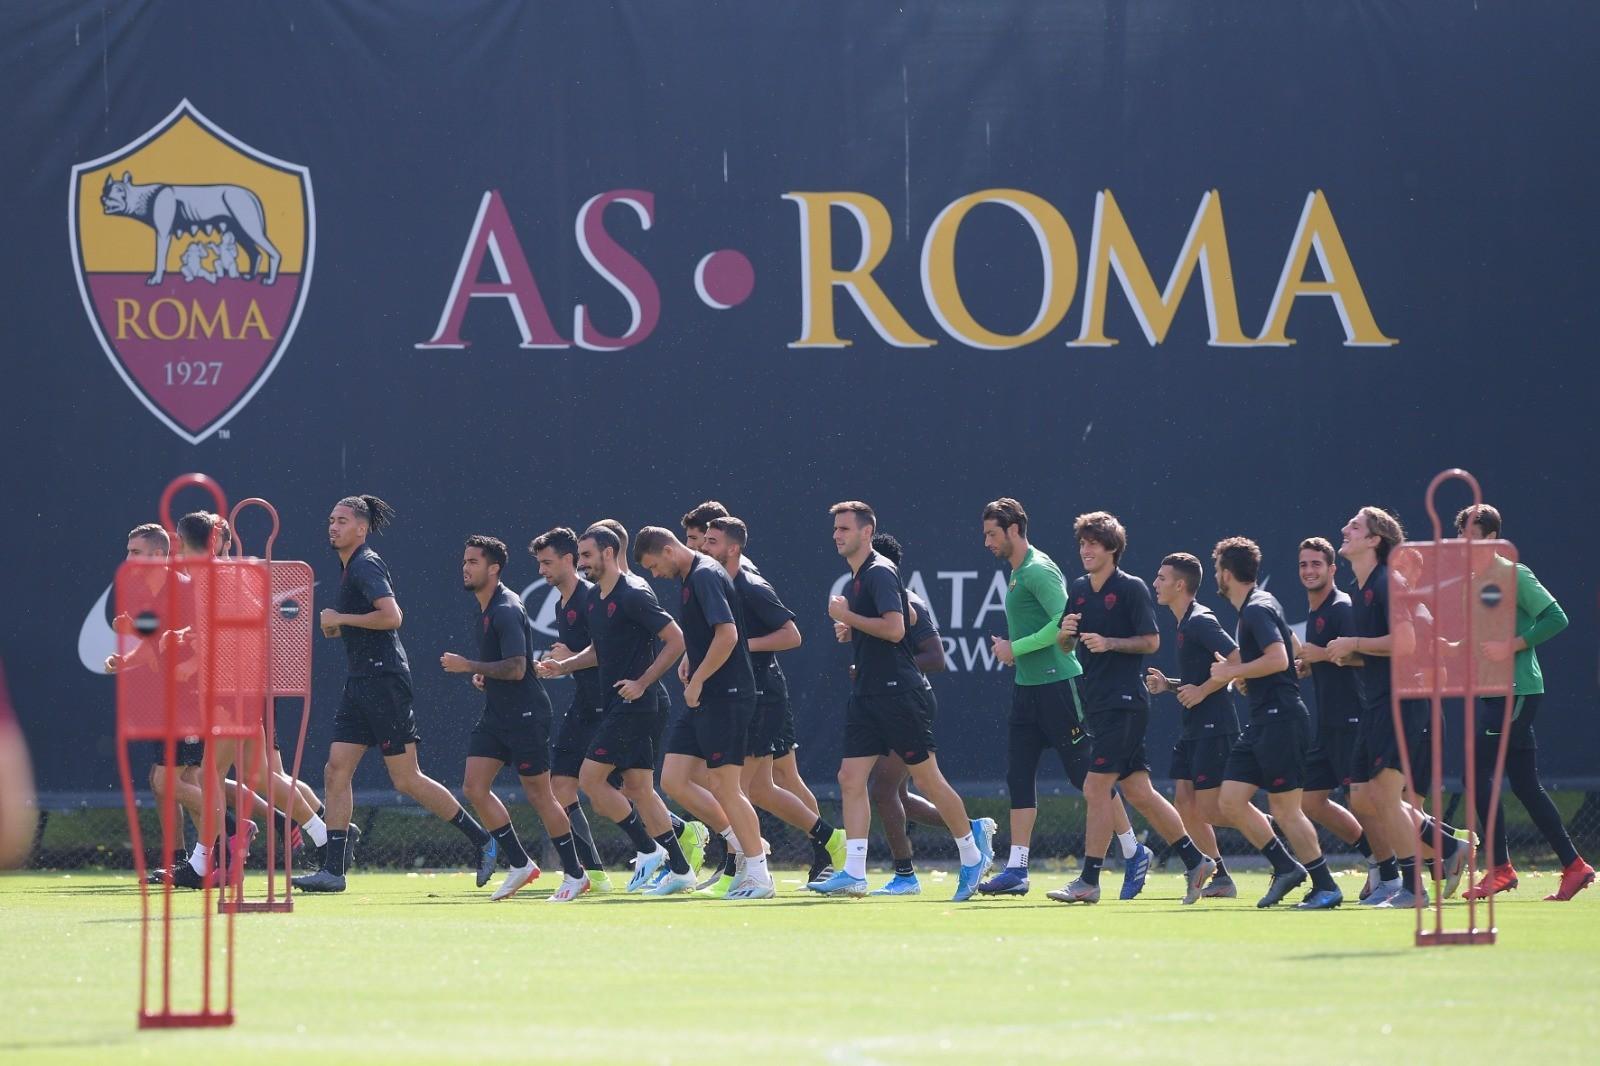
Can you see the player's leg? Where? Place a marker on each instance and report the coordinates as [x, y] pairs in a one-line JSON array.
[[344, 755], [485, 758], [1208, 813], [785, 766], [405, 773], [754, 881], [678, 781], [1522, 775], [572, 739], [766, 794], [888, 787], [1399, 834], [1026, 742], [638, 784]]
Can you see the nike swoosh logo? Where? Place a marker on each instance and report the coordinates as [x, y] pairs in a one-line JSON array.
[[96, 638]]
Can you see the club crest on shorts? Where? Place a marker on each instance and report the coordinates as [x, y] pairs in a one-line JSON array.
[[193, 256]]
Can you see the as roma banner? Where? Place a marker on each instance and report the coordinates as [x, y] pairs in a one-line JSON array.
[[193, 254]]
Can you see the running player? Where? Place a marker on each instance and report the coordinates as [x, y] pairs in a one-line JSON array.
[[770, 628], [1338, 689], [720, 694], [889, 709], [556, 551], [1112, 625], [515, 725], [625, 622], [1210, 723], [375, 708], [1271, 751], [889, 787], [19, 813], [1046, 709], [1539, 617]]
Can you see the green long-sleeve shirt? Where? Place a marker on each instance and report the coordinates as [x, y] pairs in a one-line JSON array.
[[1036, 597], [1539, 617]]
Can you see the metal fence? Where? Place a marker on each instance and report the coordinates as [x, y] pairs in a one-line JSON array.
[[78, 831]]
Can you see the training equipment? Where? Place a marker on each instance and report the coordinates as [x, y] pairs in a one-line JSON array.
[[192, 647], [1467, 589]]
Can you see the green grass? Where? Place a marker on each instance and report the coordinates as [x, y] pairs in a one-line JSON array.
[[408, 968]]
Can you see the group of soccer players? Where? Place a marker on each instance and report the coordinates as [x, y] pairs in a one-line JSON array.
[[1081, 686]]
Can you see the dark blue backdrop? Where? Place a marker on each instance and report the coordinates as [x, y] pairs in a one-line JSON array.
[[1453, 144]]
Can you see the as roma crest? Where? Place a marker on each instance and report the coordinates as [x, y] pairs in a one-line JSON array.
[[193, 254]]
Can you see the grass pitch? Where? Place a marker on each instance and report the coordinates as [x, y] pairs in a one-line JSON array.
[[409, 968]]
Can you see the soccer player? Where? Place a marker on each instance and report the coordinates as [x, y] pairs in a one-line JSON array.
[[1210, 723], [1377, 784], [150, 541], [692, 835], [1111, 623], [375, 708], [1339, 698], [515, 725], [1046, 709], [720, 694], [889, 786], [889, 709], [556, 551], [770, 628], [625, 622], [1539, 617], [1271, 751]]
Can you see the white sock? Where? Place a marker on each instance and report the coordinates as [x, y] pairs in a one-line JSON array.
[[317, 830], [1019, 857], [1129, 842], [969, 850], [855, 858], [756, 868], [200, 859], [1393, 883], [733, 841]]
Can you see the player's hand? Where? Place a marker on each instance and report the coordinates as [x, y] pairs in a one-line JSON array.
[[1241, 686], [691, 693], [548, 668], [558, 650], [1302, 668], [838, 607], [841, 632], [454, 664], [184, 671], [123, 625], [629, 690], [1312, 654], [1003, 652], [477, 682], [170, 639], [1189, 696], [113, 663], [1342, 647], [1496, 651], [1222, 670], [683, 671], [1095, 642], [1155, 682], [1067, 636]]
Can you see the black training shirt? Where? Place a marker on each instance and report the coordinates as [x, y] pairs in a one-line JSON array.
[[1123, 607], [623, 627], [505, 631], [709, 600], [1261, 625], [1338, 688], [370, 652], [572, 629], [764, 615], [1201, 639], [883, 667]]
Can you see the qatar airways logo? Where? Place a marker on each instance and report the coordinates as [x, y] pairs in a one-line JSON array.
[[969, 606], [496, 270]]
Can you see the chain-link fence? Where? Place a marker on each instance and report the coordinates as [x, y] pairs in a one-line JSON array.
[[80, 832]]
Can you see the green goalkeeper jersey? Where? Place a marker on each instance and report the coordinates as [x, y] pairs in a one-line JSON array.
[[1036, 597]]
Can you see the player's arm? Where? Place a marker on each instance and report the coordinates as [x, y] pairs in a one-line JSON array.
[[889, 622], [385, 614], [1052, 596], [1547, 619], [584, 660], [671, 638], [514, 668], [1274, 653], [930, 655], [779, 640]]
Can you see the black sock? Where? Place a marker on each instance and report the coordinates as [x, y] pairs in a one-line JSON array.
[[1447, 847], [280, 822], [567, 848], [821, 833], [677, 823], [904, 868], [1222, 871], [333, 859], [820, 856], [322, 811], [638, 835], [583, 837], [675, 857], [1363, 847], [510, 847], [1188, 852], [1388, 869], [1282, 861], [1321, 876], [470, 828], [1091, 870], [1408, 875], [730, 863]]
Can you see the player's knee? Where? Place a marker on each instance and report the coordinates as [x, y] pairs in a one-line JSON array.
[[1022, 791]]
